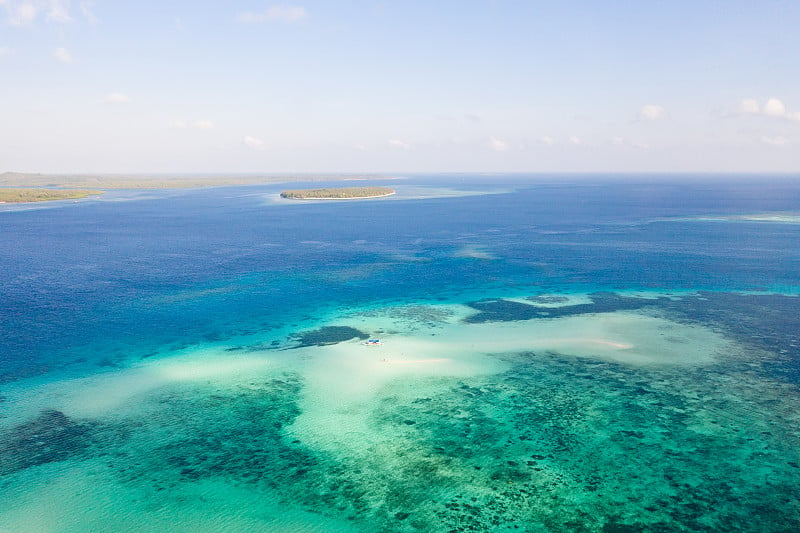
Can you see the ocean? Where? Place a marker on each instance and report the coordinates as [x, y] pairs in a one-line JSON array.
[[556, 353]]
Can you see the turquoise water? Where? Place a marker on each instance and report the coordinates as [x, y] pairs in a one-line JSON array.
[[556, 355]]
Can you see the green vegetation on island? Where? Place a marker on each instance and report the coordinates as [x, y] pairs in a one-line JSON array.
[[16, 196], [338, 193]]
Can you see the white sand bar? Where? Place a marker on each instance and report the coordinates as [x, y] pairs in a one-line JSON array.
[[121, 391], [344, 381], [345, 377]]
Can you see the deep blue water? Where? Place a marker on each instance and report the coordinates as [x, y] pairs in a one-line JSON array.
[[97, 279]]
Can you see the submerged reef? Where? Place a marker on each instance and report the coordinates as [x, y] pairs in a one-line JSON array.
[[563, 444], [239, 438], [50, 437], [500, 310], [412, 318], [328, 335]]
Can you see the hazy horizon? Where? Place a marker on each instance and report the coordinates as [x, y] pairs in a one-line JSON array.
[[350, 87]]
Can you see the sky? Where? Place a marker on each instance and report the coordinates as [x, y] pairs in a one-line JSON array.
[[399, 86]]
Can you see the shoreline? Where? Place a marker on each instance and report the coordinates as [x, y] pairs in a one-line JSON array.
[[338, 193], [350, 198], [168, 181], [37, 195]]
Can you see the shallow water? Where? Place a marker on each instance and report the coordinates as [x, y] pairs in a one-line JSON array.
[[553, 357]]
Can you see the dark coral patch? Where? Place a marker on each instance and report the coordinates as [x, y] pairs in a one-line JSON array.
[[50, 437], [329, 335], [499, 310]]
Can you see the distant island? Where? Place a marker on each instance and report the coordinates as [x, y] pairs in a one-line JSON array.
[[337, 193], [23, 195], [145, 181]]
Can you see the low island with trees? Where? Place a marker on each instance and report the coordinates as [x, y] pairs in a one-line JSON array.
[[37, 194], [338, 193]]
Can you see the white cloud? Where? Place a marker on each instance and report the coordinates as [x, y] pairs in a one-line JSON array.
[[58, 11], [63, 55], [617, 141], [547, 140], [116, 98], [774, 108], [749, 106], [203, 124], [88, 14], [282, 13], [253, 143], [5, 51], [25, 12], [22, 14], [575, 140], [652, 112], [498, 145], [399, 144], [775, 141]]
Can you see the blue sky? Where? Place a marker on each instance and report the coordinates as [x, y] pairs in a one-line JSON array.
[[399, 86]]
